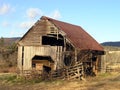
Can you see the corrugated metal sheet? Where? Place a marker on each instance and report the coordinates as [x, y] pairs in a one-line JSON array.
[[78, 36]]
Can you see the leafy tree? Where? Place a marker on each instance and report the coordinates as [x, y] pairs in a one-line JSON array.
[[13, 47]]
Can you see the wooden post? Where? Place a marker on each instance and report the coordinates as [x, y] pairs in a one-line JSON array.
[[96, 66], [64, 43], [22, 58], [67, 74], [64, 49], [57, 34], [82, 72], [75, 56], [57, 57], [78, 72]]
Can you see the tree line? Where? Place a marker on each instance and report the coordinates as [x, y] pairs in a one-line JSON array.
[[8, 55]]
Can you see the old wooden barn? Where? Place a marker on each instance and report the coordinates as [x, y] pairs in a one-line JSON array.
[[51, 45]]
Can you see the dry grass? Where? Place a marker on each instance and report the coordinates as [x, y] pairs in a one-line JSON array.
[[108, 81]]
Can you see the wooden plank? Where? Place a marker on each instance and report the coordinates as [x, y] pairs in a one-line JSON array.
[[19, 57]]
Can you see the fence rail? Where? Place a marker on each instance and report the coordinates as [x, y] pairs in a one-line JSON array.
[[68, 73], [111, 69], [71, 72]]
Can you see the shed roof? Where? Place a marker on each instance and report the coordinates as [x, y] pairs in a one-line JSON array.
[[77, 35]]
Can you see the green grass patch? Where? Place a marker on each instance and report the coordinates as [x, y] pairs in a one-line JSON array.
[[104, 75], [14, 79], [5, 78]]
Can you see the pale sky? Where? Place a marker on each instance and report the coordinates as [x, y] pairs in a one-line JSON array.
[[100, 18]]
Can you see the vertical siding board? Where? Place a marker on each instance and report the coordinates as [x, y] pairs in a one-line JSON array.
[[111, 58], [31, 51], [19, 60], [27, 58]]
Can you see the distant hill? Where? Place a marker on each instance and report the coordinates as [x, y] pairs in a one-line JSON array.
[[116, 44], [9, 41]]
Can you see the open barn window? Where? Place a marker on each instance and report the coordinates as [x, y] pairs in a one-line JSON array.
[[52, 40], [69, 47]]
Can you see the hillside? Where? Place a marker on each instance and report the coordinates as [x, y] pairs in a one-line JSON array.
[[111, 46], [8, 54], [116, 44], [9, 41]]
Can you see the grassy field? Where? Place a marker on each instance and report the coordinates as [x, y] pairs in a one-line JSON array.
[[107, 81]]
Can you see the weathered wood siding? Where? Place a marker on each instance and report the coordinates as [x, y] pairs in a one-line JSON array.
[[41, 28], [19, 60], [31, 51], [32, 43], [110, 59]]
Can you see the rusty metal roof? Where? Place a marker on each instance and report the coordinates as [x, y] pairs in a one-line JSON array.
[[77, 35]]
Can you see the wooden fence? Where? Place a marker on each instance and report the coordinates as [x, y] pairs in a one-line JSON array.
[[75, 71], [110, 62], [114, 68], [72, 72]]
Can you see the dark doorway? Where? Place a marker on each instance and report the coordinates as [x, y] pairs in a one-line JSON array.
[[46, 69], [67, 60], [38, 62]]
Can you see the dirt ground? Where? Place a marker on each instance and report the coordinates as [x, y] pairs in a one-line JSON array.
[[101, 82]]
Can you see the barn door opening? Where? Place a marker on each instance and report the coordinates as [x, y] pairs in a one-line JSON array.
[[90, 66], [67, 60], [42, 63]]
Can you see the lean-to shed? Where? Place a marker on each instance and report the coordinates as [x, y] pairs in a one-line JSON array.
[[51, 44]]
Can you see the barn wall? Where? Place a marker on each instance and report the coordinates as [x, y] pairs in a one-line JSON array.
[[110, 59], [32, 43], [31, 51], [19, 60], [41, 28]]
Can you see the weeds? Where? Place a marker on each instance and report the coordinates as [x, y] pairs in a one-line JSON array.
[[14, 79], [103, 81], [103, 75]]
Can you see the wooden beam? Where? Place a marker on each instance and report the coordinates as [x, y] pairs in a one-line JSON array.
[[64, 43], [75, 55]]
